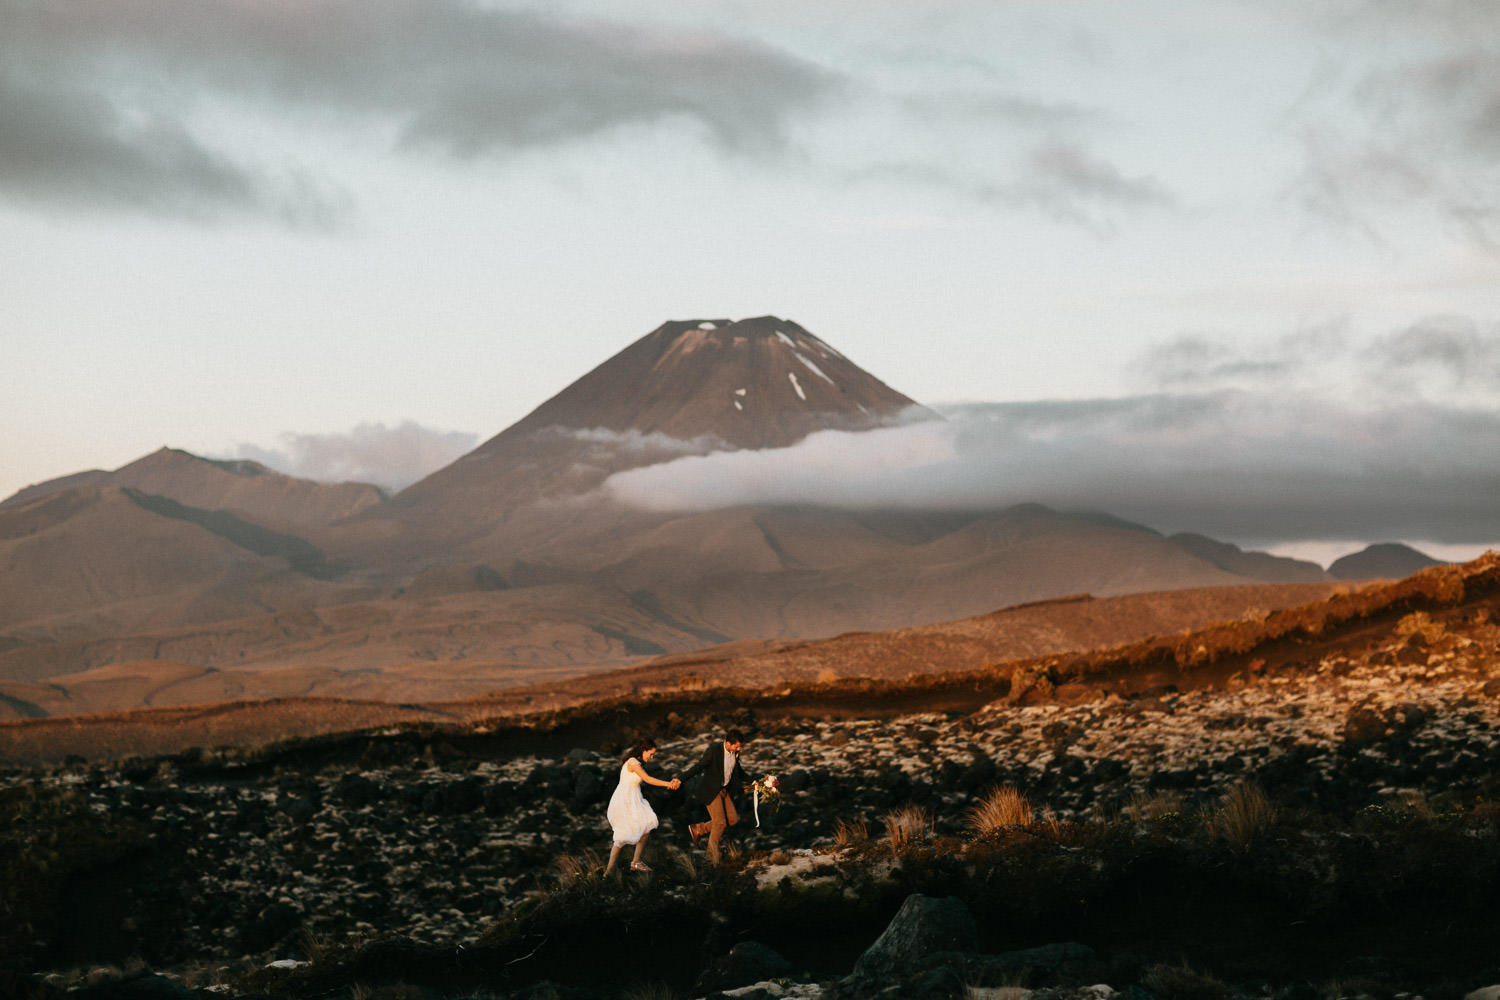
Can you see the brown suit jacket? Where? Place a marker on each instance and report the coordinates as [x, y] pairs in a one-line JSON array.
[[711, 766]]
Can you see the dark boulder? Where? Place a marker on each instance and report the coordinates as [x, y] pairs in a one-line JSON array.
[[1364, 726], [748, 962], [357, 791], [143, 985], [552, 780], [1046, 963], [271, 925], [588, 787], [922, 926]]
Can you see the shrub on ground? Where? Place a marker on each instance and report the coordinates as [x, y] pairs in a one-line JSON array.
[[1242, 815], [1001, 808], [908, 826]]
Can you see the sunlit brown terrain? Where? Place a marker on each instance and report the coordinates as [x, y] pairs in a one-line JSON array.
[[1071, 628]]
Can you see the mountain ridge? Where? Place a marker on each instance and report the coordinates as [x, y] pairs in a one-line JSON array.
[[511, 555]]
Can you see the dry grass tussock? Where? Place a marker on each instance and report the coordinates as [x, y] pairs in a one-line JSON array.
[[848, 832], [677, 862], [1420, 623], [1242, 815], [1004, 807], [1144, 806], [907, 827], [1182, 982], [996, 993], [573, 868], [649, 991]]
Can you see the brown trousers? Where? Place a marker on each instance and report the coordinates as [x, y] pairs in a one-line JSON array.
[[721, 816]]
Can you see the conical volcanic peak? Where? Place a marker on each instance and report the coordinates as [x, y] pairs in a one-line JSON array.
[[688, 387], [756, 383]]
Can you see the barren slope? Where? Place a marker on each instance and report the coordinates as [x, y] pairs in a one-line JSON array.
[[1052, 627]]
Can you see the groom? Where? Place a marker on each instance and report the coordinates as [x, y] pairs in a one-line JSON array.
[[721, 771]]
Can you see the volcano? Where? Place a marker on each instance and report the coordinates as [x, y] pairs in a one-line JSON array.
[[687, 387]]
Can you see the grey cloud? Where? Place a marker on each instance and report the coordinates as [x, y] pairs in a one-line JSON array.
[[1062, 180], [1199, 361], [1415, 131], [999, 109], [450, 76], [1226, 441], [1251, 468], [1066, 180], [1452, 349], [1074, 172], [389, 457], [67, 145]]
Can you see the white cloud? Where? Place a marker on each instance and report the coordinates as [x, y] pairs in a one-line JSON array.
[[389, 457], [1257, 462]]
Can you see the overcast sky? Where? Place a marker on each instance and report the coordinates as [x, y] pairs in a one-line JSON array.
[[1222, 266]]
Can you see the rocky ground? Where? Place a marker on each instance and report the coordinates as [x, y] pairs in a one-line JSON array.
[[209, 867]]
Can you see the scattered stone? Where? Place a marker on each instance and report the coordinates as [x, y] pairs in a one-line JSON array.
[[922, 926], [1364, 726], [747, 963]]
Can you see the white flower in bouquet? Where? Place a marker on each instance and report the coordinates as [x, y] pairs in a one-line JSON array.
[[765, 790]]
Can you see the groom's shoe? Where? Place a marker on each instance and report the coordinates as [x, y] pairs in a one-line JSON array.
[[697, 831]]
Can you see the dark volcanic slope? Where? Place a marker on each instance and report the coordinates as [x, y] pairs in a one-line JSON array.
[[757, 383]]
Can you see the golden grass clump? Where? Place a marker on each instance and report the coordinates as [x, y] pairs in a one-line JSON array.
[[574, 868], [649, 991], [850, 831], [996, 993], [1143, 806], [907, 826], [1242, 815], [827, 676], [675, 861], [1004, 807], [1420, 623], [1182, 982]]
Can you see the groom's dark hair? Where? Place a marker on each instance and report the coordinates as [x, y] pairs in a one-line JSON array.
[[733, 737]]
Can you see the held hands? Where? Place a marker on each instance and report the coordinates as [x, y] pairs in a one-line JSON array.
[[675, 784]]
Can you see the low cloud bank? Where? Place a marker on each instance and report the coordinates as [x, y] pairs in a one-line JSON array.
[[1254, 467], [390, 457]]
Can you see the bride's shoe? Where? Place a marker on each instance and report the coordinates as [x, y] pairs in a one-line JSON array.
[[639, 866]]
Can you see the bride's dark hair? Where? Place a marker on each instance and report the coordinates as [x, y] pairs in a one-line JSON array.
[[641, 746]]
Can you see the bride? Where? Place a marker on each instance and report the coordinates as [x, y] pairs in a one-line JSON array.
[[630, 815]]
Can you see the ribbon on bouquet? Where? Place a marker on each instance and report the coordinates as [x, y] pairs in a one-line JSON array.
[[755, 802]]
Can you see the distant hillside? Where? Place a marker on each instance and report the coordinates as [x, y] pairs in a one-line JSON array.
[[1067, 651], [1385, 561], [246, 487]]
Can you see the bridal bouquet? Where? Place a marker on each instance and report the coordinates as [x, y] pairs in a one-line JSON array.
[[767, 790]]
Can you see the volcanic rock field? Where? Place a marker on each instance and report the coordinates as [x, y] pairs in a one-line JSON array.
[[217, 864]]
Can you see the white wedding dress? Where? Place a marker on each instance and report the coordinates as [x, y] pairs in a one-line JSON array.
[[630, 815]]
